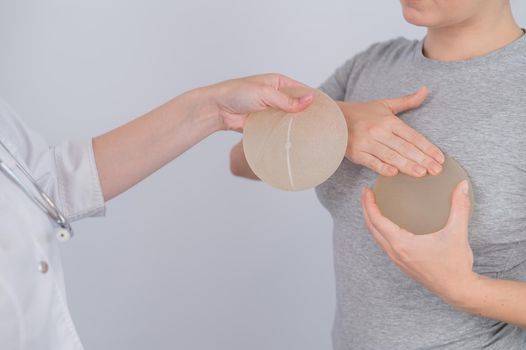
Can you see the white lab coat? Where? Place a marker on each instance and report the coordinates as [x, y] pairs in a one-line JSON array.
[[33, 309]]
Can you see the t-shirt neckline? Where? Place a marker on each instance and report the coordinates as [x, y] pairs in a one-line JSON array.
[[495, 54]]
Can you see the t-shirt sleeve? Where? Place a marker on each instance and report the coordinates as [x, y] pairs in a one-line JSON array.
[[336, 85], [347, 77], [66, 172]]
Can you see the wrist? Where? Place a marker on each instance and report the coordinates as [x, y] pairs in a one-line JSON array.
[[465, 295], [202, 108]]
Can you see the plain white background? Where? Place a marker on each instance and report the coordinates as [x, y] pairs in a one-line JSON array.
[[192, 258]]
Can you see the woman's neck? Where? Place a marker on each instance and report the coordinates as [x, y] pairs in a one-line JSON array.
[[491, 30]]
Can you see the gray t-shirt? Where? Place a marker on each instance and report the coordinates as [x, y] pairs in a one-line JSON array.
[[476, 113]]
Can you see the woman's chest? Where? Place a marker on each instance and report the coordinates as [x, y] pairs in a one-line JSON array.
[[489, 141], [486, 135]]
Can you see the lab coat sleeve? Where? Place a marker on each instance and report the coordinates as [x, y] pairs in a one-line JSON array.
[[67, 172]]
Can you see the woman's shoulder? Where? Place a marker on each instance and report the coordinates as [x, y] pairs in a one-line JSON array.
[[385, 53], [390, 50], [378, 55]]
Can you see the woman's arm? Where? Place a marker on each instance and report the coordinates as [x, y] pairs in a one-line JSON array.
[[443, 262], [128, 154], [502, 300]]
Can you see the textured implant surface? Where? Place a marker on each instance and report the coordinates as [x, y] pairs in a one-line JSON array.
[[420, 205], [296, 151]]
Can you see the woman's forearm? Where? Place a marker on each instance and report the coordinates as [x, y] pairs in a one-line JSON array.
[[502, 300], [238, 163], [129, 153]]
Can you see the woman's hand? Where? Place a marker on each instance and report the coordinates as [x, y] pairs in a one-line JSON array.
[[235, 99], [379, 140], [441, 261]]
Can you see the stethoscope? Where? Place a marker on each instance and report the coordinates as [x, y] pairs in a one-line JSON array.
[[37, 195]]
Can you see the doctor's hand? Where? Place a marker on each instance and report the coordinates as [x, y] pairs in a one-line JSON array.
[[441, 261], [235, 99], [133, 151], [381, 141]]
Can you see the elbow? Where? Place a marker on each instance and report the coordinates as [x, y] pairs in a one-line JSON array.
[[234, 164], [234, 170], [238, 164]]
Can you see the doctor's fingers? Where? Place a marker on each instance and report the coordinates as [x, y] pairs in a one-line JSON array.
[[276, 99], [275, 80]]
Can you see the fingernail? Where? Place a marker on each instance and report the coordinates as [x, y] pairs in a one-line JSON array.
[[391, 170], [440, 157], [436, 168], [420, 171], [306, 98], [465, 187], [363, 191]]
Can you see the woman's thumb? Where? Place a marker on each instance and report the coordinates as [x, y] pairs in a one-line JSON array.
[[460, 206], [403, 103]]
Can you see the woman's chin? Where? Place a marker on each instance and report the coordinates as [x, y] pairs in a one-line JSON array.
[[416, 17]]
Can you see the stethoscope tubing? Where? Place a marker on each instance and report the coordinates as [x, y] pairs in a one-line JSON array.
[[42, 200]]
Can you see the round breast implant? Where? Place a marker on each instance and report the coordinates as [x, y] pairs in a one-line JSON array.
[[296, 151], [420, 205]]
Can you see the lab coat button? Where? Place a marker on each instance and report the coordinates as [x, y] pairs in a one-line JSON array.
[[43, 267], [63, 235]]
